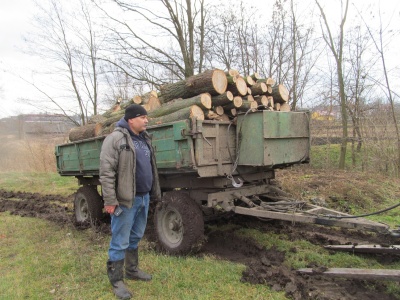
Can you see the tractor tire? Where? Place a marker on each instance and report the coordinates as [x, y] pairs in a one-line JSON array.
[[179, 224], [88, 205]]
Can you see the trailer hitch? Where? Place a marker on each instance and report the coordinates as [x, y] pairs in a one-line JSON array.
[[236, 185]]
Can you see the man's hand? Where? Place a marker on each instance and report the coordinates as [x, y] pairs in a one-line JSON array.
[[109, 209]]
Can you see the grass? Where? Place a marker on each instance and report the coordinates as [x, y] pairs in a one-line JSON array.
[[34, 182], [43, 261]]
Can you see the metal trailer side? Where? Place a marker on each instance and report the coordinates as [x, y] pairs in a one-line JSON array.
[[207, 168]]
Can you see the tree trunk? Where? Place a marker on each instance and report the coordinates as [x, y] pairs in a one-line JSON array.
[[280, 93], [210, 81], [84, 132], [193, 111], [202, 100]]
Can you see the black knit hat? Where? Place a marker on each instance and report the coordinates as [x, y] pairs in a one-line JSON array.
[[133, 111]]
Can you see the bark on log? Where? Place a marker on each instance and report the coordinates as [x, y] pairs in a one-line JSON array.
[[259, 88], [238, 88], [223, 99], [202, 100], [96, 119], [210, 81], [116, 107], [280, 93], [193, 111], [84, 132]]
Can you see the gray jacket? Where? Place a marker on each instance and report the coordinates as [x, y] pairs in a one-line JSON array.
[[118, 166]]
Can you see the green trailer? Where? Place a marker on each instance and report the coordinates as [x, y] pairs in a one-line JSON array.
[[209, 168]]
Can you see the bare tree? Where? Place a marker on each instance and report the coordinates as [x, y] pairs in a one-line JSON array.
[[336, 48], [165, 44], [70, 44]]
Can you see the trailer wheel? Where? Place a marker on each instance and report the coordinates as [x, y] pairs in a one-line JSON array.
[[88, 205], [179, 224]]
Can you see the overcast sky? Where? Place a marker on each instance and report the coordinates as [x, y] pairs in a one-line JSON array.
[[15, 20]]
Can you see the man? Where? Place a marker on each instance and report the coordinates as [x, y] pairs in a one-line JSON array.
[[128, 176]]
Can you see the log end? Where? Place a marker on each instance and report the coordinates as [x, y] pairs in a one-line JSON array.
[[219, 81]]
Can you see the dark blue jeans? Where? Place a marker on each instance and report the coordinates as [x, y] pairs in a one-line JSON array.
[[128, 228]]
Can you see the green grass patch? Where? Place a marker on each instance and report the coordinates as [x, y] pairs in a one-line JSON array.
[[40, 260], [44, 183]]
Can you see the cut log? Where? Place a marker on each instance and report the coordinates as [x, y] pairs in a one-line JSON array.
[[84, 132], [239, 88], [259, 88], [223, 99], [210, 81], [271, 101], [249, 98], [236, 103], [255, 76], [193, 111], [152, 104], [285, 107], [280, 93], [249, 92], [116, 107], [210, 115], [360, 274], [219, 110], [231, 79], [202, 100], [246, 105], [96, 119], [262, 100], [232, 72], [277, 106], [268, 81], [146, 97], [249, 81], [137, 99]]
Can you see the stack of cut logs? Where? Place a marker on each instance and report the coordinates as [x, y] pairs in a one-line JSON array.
[[212, 95]]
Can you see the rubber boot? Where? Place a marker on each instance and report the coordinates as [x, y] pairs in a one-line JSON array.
[[115, 272], [131, 266]]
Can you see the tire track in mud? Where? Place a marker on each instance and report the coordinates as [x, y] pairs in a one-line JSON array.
[[263, 266]]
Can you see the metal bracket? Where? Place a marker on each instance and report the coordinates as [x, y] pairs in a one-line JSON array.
[[234, 184]]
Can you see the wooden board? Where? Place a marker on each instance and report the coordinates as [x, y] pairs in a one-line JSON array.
[[363, 274]]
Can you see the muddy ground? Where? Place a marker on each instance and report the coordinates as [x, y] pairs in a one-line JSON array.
[[264, 266]]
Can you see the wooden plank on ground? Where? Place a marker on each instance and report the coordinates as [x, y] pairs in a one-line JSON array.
[[378, 249], [364, 274]]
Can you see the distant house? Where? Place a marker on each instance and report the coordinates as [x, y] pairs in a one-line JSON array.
[[323, 115]]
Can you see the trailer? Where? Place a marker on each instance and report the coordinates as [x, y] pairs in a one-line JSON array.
[[208, 168]]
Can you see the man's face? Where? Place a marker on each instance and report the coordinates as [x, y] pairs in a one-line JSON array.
[[138, 124]]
